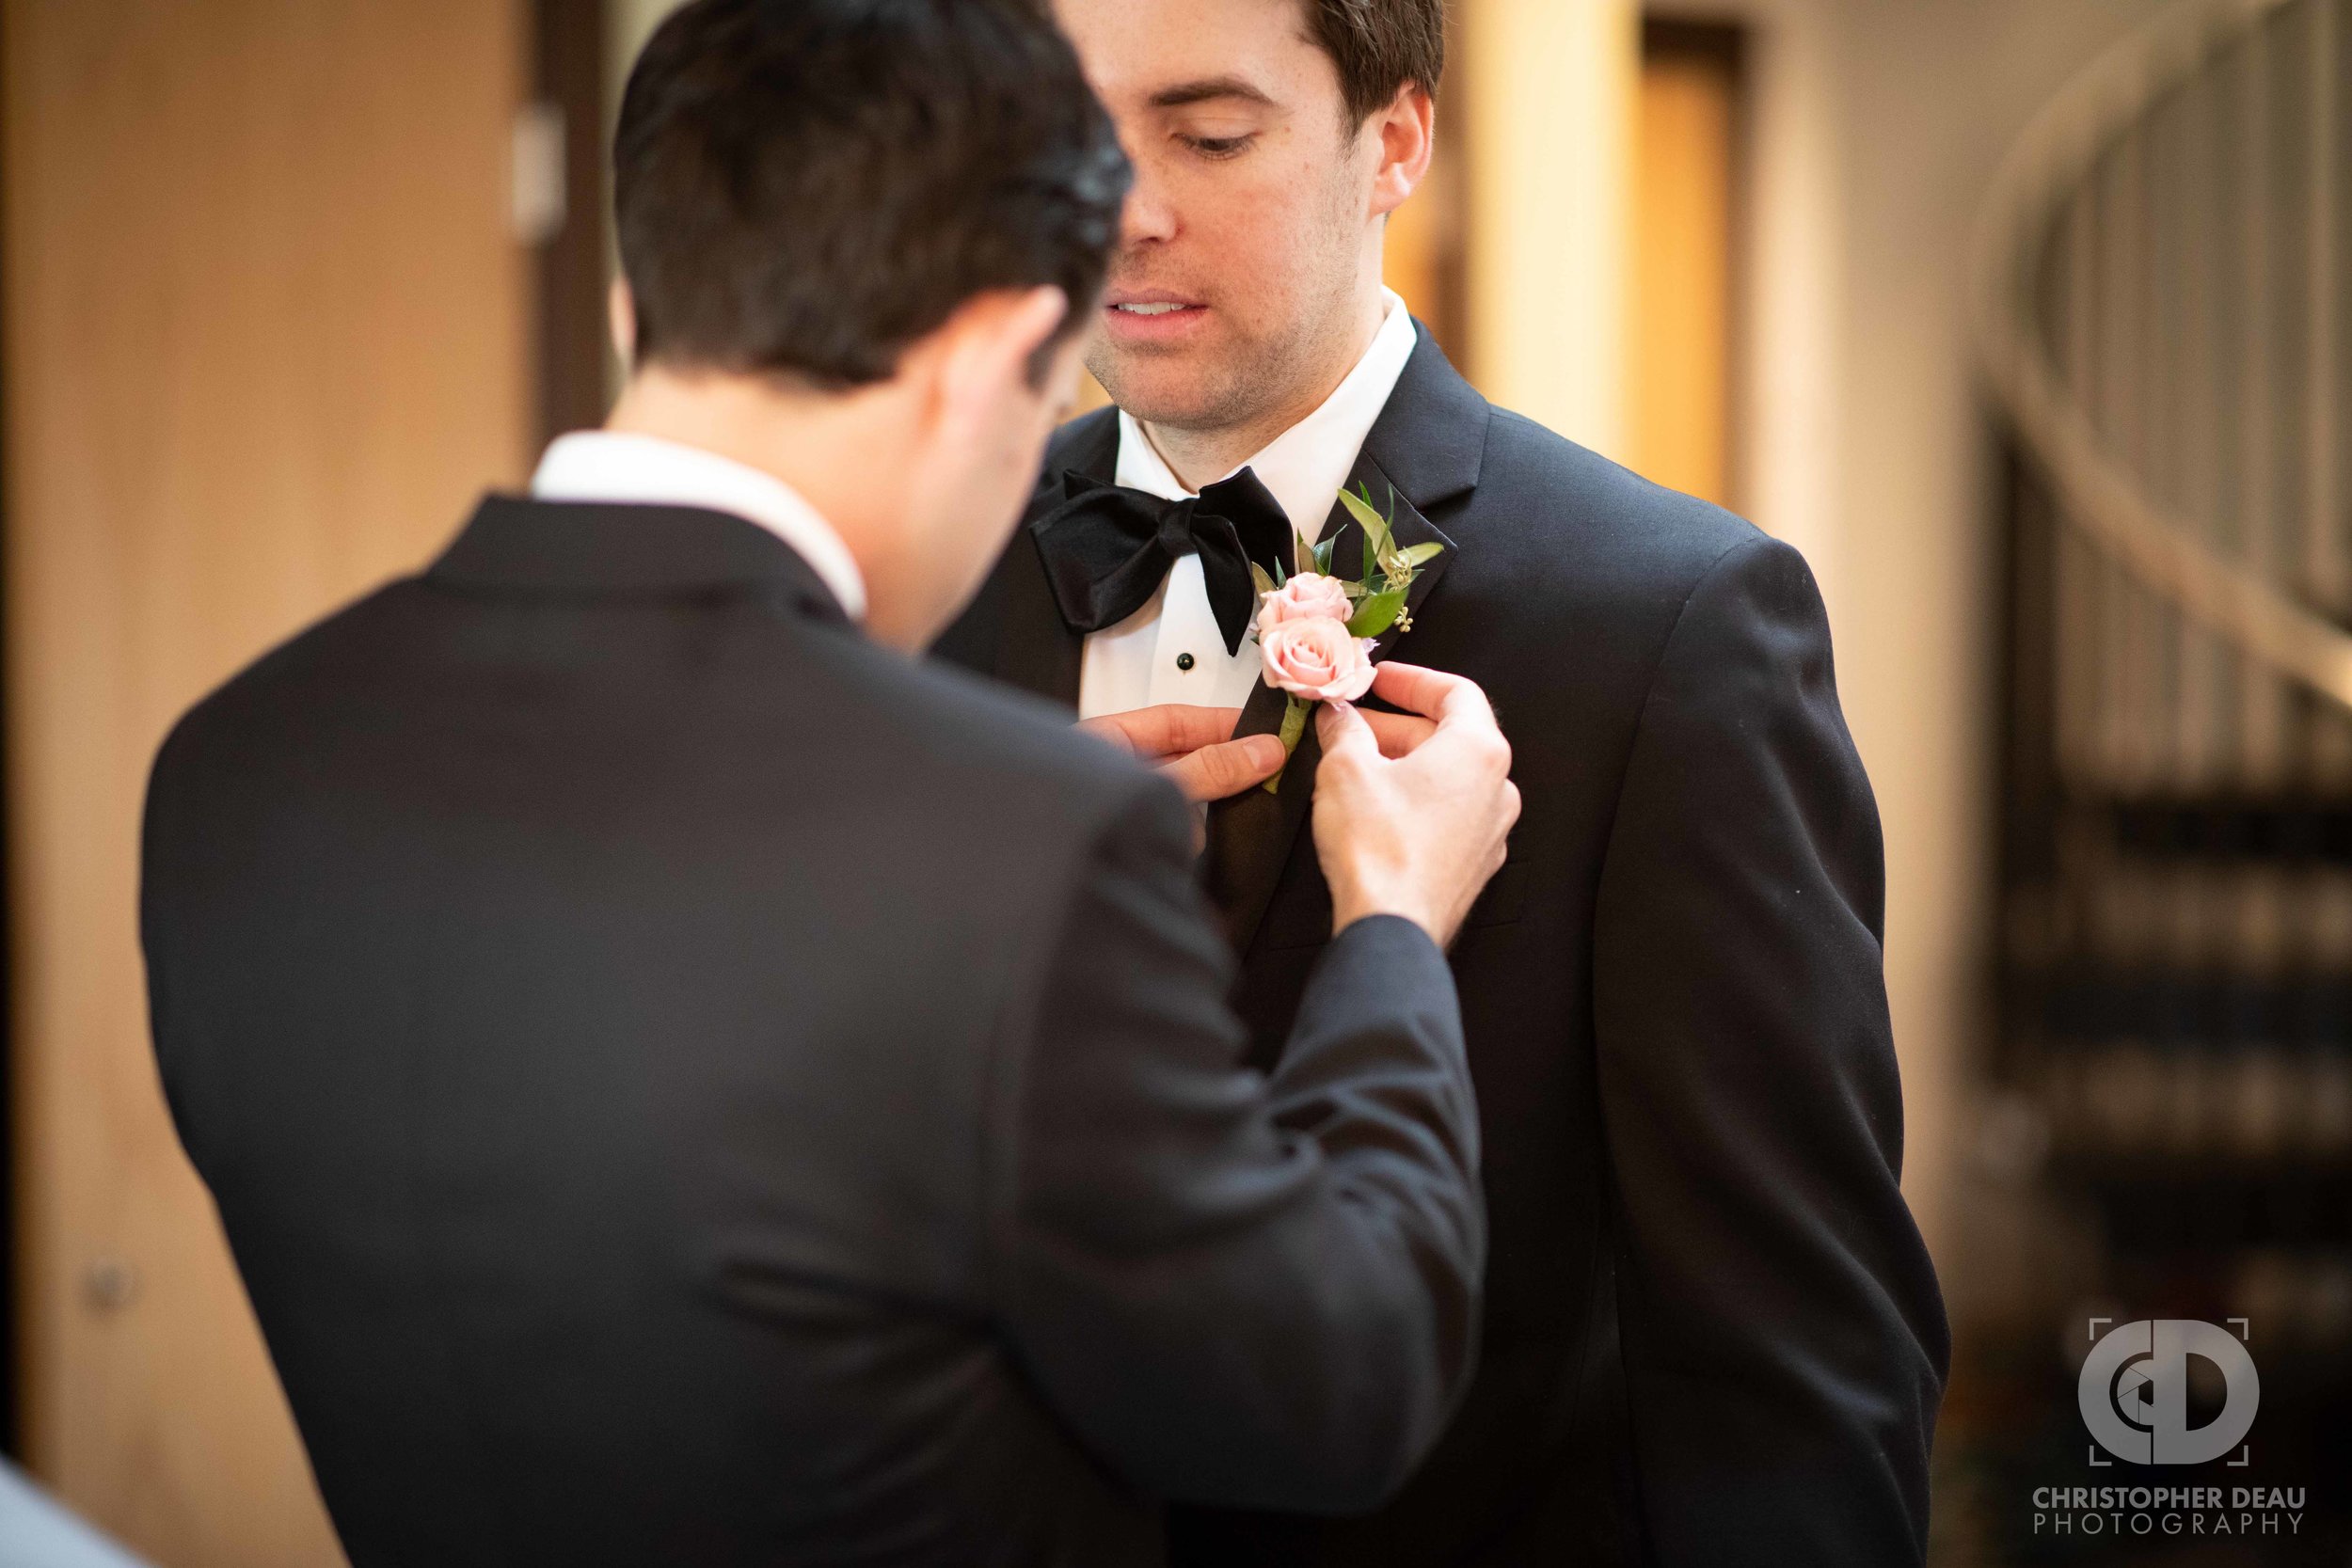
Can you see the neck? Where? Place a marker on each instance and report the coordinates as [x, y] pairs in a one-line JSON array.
[[809, 440], [1203, 456], [797, 438]]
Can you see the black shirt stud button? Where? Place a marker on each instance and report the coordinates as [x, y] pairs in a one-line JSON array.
[[1185, 661]]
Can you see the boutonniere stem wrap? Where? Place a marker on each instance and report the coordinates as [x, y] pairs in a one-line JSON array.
[[1316, 632]]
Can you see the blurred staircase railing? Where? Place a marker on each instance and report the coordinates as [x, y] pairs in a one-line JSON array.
[[2160, 315], [2157, 310]]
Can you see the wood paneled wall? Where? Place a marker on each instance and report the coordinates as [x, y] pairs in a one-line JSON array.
[[266, 338]]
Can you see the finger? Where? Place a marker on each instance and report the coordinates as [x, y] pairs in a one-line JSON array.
[[1344, 734], [1167, 730], [1433, 693], [1400, 734], [1226, 769]]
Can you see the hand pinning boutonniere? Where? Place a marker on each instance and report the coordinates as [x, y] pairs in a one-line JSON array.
[[1316, 632]]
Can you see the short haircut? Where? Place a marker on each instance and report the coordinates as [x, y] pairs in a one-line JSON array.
[[1379, 46], [804, 188]]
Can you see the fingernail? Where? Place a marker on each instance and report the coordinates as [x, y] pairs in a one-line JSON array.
[[1265, 751]]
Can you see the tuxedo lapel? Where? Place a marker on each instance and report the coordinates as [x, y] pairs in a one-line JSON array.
[[1251, 835], [1426, 449], [1038, 650], [1431, 439]]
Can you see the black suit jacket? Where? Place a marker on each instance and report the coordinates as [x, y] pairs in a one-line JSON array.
[[684, 1085], [1713, 1337]]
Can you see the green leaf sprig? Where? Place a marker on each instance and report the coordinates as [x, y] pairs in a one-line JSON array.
[[1389, 571]]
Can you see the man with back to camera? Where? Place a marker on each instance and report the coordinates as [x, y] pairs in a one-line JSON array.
[[1712, 1335], [686, 1082]]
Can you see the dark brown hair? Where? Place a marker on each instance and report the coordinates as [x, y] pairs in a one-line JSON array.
[[806, 187], [1379, 45]]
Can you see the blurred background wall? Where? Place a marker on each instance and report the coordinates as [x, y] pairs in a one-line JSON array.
[[265, 336], [287, 282]]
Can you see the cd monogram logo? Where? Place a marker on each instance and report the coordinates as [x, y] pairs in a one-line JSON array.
[[2135, 1391]]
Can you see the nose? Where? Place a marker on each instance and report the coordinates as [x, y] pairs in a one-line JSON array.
[[1148, 214]]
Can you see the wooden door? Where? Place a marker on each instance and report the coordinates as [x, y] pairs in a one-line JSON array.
[[265, 339], [1686, 220]]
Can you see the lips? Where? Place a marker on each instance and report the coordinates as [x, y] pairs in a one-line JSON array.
[[1146, 296], [1141, 316]]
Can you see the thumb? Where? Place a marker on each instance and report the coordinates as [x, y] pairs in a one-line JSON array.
[[1226, 769]]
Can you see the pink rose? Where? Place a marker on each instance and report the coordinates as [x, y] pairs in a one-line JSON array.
[[1317, 659], [1306, 598]]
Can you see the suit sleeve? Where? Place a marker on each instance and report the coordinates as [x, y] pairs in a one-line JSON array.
[[1238, 1289], [1784, 1338]]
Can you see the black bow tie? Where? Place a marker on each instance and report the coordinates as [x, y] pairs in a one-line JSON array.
[[1106, 549]]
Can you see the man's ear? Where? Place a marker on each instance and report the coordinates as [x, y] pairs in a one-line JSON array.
[[1407, 132], [620, 307]]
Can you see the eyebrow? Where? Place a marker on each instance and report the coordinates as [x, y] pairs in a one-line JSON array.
[[1209, 89]]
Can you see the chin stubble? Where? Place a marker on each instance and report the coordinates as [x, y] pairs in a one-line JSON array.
[[1257, 379]]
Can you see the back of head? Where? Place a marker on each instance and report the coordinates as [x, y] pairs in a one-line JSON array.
[[805, 188]]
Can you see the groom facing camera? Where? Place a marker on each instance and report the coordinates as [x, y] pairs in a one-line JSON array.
[[687, 1082], [1713, 1335]]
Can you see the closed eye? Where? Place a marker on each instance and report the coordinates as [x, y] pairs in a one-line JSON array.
[[1219, 147]]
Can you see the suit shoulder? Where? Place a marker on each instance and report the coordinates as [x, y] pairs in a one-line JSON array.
[[980, 770], [1657, 568], [254, 695], [1613, 512]]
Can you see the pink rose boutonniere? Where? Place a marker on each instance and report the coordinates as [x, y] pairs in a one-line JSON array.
[[1307, 597], [1317, 661], [1316, 632]]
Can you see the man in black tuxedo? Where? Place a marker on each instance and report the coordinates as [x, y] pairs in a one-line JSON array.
[[1712, 1337], [688, 1083]]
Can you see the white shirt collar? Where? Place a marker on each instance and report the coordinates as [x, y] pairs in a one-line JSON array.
[[645, 470], [1307, 464]]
